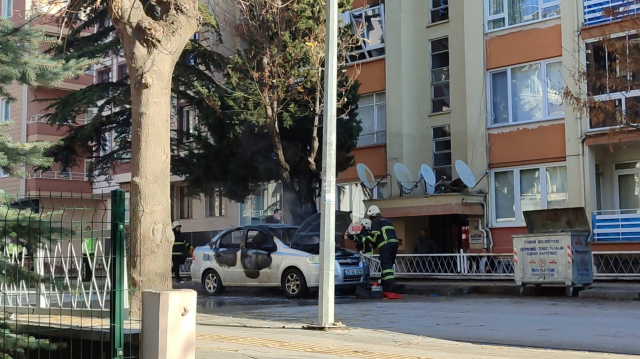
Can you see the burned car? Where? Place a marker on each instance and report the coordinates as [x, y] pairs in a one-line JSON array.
[[273, 255]]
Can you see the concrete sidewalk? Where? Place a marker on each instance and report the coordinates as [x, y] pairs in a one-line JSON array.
[[228, 337]]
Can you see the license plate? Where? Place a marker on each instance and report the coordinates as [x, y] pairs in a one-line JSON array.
[[353, 272]]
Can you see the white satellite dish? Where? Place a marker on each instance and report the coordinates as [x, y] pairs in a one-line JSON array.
[[404, 178], [366, 176], [428, 178], [466, 176]]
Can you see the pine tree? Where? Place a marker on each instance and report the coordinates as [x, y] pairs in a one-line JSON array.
[[22, 61]]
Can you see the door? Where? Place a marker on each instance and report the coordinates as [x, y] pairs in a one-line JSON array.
[[259, 258], [627, 184], [227, 257]]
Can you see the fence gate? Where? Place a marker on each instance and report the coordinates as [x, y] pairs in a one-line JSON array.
[[63, 278]]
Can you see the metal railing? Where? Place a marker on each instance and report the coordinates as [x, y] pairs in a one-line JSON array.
[[66, 265], [616, 225], [606, 265], [58, 175], [602, 11], [39, 118]]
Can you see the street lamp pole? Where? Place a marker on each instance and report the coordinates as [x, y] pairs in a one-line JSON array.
[[326, 300]]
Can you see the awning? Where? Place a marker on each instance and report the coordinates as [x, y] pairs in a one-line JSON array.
[[435, 205]]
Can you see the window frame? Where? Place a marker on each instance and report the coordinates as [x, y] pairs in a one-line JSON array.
[[3, 174], [505, 15], [220, 210], [7, 9], [124, 72], [376, 132], [623, 96], [517, 195], [431, 70], [349, 19], [103, 71], [188, 202], [5, 104], [187, 136], [435, 152], [545, 98], [432, 9]]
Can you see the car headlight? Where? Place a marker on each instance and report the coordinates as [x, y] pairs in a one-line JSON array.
[[313, 259]]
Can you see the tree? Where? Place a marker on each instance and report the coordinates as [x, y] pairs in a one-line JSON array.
[[272, 89], [612, 70], [232, 148], [21, 61]]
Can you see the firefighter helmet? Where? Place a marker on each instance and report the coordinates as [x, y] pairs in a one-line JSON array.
[[366, 223], [373, 211]]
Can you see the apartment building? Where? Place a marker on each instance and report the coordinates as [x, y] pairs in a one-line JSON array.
[[483, 82], [61, 189]]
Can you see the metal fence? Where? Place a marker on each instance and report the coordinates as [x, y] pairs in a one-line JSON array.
[[63, 281], [607, 265]]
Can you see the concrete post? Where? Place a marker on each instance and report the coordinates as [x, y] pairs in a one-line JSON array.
[[168, 324]]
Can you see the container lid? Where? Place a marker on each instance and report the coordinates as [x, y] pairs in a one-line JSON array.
[[557, 220]]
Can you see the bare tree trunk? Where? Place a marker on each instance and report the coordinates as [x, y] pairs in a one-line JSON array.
[[152, 47], [152, 237], [317, 111]]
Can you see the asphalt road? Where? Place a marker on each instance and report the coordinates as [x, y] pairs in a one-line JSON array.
[[551, 322]]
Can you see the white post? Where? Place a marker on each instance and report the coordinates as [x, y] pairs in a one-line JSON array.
[[326, 300]]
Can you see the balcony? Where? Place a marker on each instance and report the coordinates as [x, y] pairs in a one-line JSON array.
[[616, 226], [597, 12]]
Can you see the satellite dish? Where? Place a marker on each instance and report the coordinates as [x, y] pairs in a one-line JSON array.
[[404, 178], [428, 178], [366, 176], [368, 180], [466, 176]]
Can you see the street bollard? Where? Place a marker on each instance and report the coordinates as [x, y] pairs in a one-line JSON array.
[[168, 324]]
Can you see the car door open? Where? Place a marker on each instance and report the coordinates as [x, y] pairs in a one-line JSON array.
[[258, 258], [227, 257]]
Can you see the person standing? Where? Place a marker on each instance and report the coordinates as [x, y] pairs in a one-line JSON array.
[[386, 240], [180, 250], [426, 245], [276, 218]]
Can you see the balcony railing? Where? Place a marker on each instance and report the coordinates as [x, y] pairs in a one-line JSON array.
[[39, 118], [602, 11], [616, 226], [58, 175]]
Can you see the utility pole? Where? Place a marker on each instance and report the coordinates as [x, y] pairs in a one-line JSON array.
[[326, 300]]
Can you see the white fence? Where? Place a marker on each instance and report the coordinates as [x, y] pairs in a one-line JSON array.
[[606, 265], [61, 265]]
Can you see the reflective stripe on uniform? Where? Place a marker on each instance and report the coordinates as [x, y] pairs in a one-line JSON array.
[[387, 271], [387, 241], [387, 277], [384, 233]]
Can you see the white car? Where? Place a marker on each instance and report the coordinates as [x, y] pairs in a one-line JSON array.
[[268, 255]]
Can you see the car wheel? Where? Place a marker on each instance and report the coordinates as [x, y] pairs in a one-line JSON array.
[[293, 283], [212, 283]]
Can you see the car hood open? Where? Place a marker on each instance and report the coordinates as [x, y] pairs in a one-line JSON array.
[[308, 235]]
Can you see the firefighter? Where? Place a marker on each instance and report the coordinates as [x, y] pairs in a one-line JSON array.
[[386, 240], [364, 239], [180, 250]]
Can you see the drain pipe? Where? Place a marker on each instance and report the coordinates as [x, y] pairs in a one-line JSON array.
[[487, 233]]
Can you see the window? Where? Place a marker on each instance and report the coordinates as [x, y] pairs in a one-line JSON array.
[[5, 110], [598, 187], [172, 194], [104, 24], [215, 203], [7, 8], [506, 13], [442, 153], [187, 124], [372, 111], [531, 92], [107, 144], [259, 240], [88, 168], [231, 240], [521, 189], [123, 71], [368, 25], [91, 114], [104, 75], [3, 173], [186, 204], [612, 83], [439, 10], [440, 75]]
